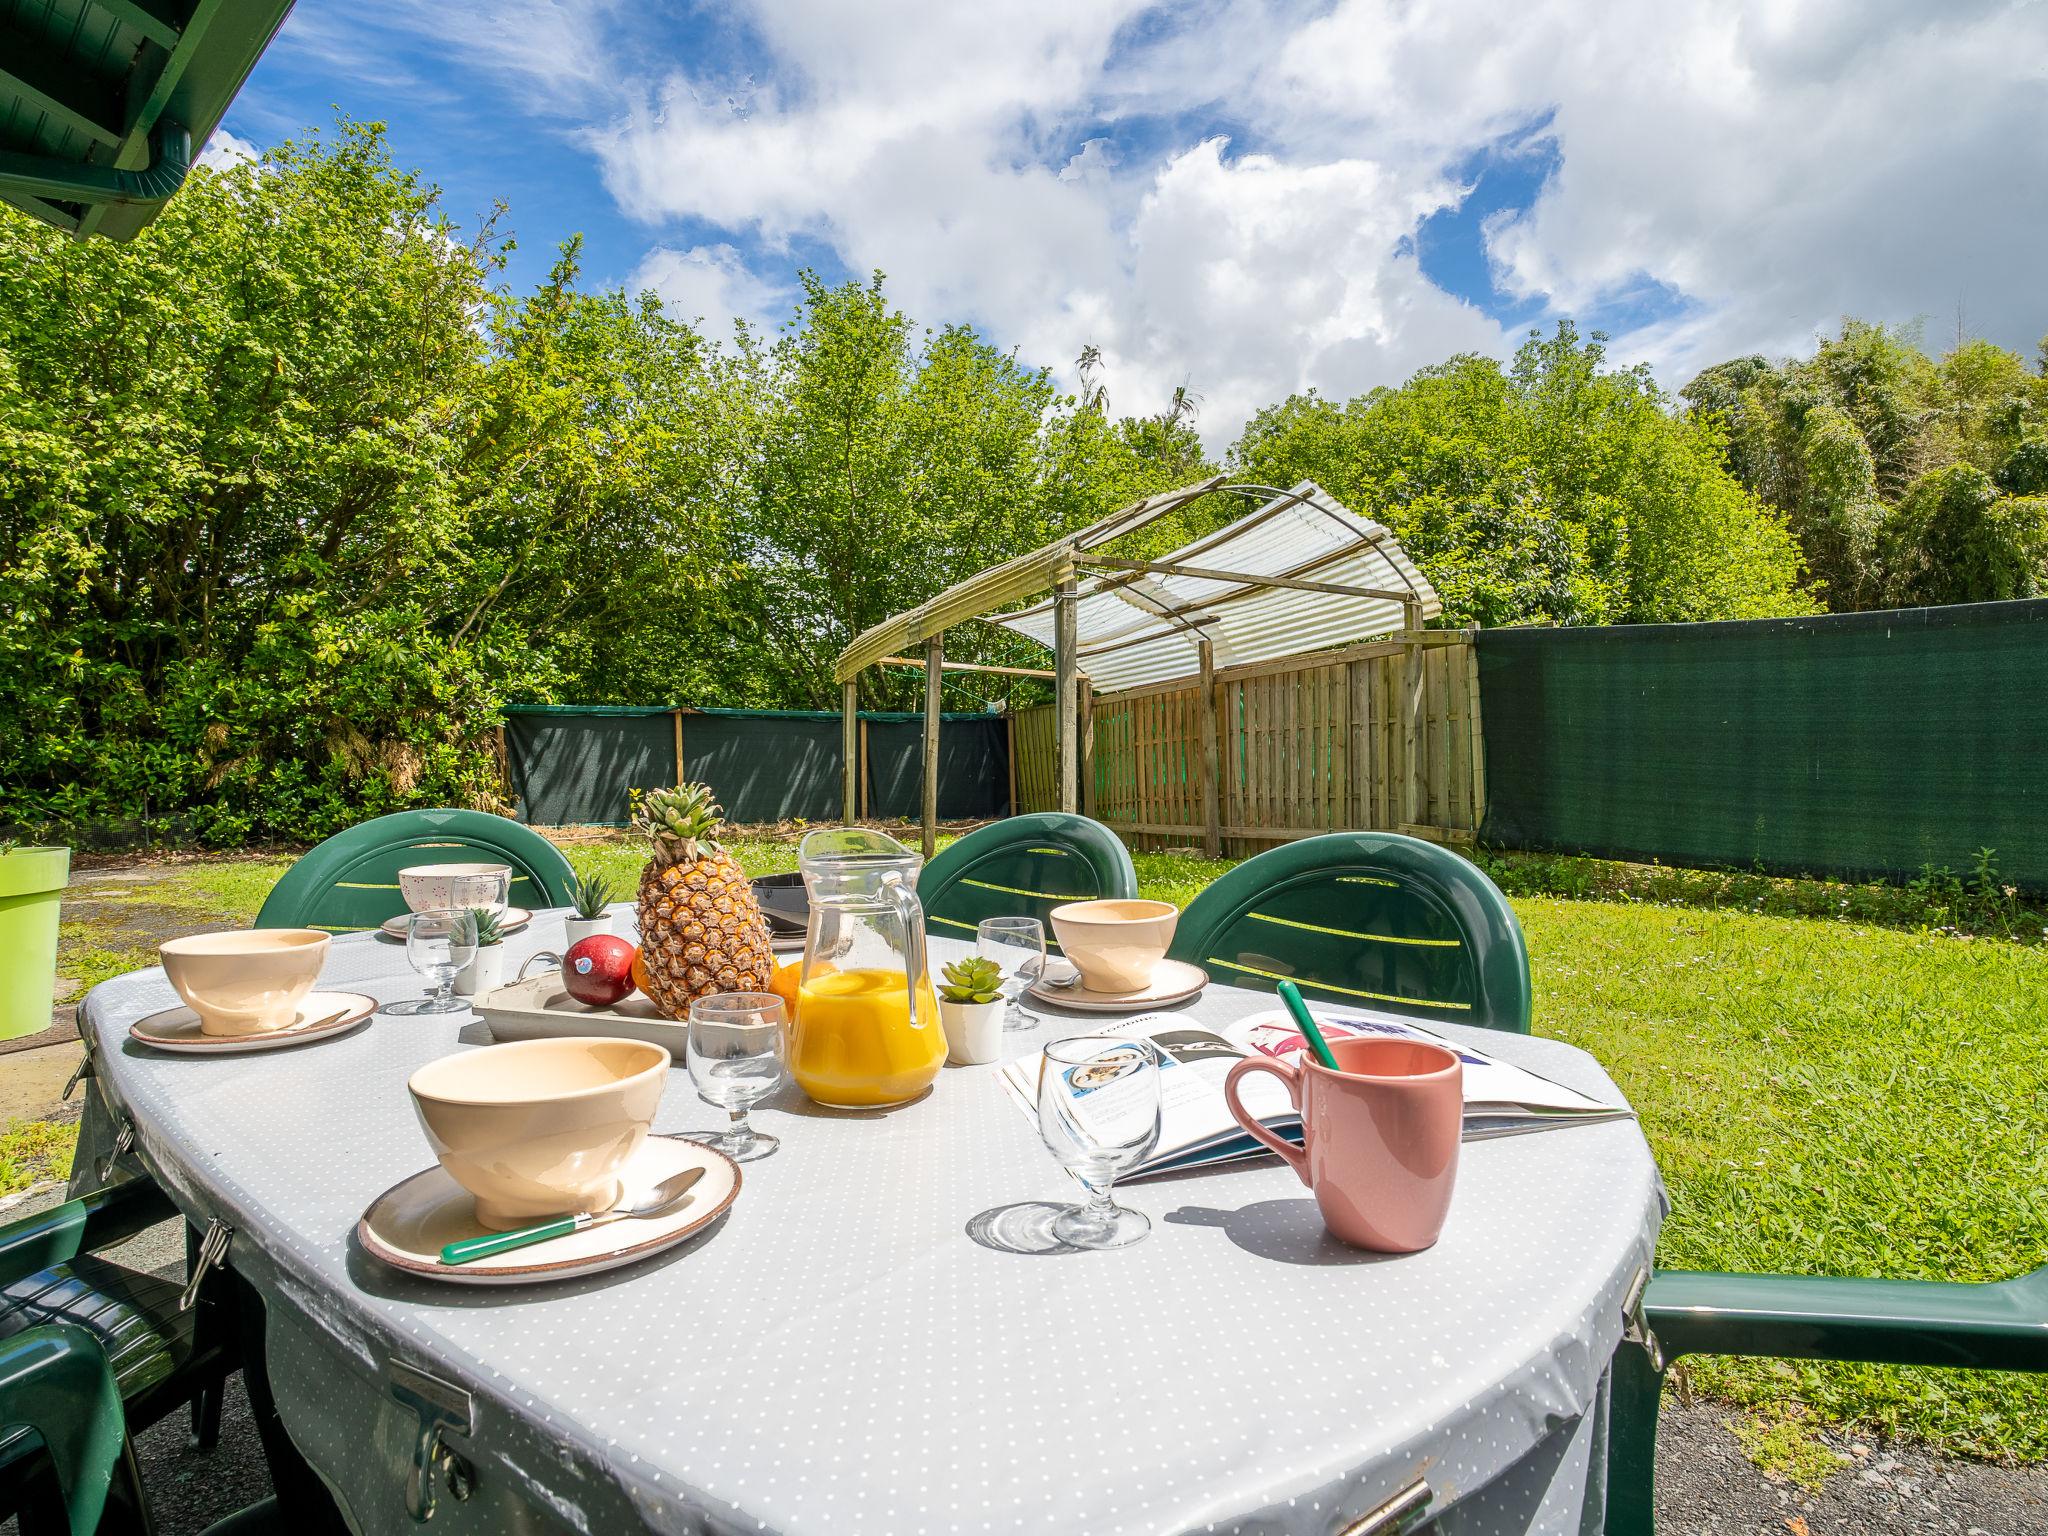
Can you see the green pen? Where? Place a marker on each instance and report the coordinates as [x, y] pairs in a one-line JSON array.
[[1291, 996]]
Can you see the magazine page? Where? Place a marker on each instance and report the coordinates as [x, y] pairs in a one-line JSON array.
[[1195, 1123], [1194, 1060]]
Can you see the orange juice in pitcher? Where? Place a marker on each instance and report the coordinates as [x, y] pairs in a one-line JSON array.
[[866, 1029], [855, 1042]]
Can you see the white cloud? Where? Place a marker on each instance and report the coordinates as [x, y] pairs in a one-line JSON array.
[[1225, 195], [224, 151], [711, 285]]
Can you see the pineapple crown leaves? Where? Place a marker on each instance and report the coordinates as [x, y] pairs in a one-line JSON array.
[[972, 981], [489, 927], [684, 820], [590, 892]]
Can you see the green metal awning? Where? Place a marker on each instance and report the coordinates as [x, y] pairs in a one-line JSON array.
[[102, 102]]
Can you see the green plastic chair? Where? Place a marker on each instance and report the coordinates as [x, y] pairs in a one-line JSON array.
[[1023, 867], [1375, 918], [157, 1358], [350, 882], [59, 1395], [1996, 1327]]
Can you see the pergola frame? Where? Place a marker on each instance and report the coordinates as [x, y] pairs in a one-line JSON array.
[[1056, 569]]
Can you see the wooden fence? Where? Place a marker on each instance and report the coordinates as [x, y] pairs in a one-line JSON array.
[[1301, 748]]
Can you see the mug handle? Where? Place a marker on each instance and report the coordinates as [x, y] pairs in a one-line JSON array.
[[1297, 1159]]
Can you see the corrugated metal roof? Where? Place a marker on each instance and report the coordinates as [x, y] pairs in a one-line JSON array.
[[1014, 581], [1138, 628]]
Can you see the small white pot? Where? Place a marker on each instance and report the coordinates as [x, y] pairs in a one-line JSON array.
[[974, 1032], [581, 928], [486, 973]]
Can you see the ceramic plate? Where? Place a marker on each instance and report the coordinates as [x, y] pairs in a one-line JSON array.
[[408, 1225], [177, 1029], [515, 919], [1173, 981]]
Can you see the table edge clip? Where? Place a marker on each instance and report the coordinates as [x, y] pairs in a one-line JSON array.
[[1395, 1516]]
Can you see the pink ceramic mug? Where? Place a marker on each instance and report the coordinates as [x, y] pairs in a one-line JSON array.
[[1382, 1135]]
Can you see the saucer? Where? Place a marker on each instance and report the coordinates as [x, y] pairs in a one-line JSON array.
[[1173, 981], [515, 918], [177, 1029], [408, 1225]]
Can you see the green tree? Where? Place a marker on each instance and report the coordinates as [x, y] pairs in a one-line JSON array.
[[1844, 440], [293, 487], [1554, 490]]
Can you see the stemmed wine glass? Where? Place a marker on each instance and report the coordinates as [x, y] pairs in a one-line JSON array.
[[438, 944], [1017, 946], [735, 1051], [1098, 1110]]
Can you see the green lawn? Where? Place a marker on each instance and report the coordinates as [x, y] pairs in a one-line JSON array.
[[1834, 1078]]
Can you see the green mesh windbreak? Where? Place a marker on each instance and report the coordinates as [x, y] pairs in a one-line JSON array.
[[573, 765], [1866, 745]]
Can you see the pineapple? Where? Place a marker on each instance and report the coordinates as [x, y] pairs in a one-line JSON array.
[[700, 928]]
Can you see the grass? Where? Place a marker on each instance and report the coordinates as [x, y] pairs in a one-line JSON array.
[[34, 1150], [1835, 1078]]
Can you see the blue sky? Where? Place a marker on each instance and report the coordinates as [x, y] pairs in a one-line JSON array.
[[1250, 196]]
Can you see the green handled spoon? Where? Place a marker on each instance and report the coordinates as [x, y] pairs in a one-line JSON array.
[[658, 1201], [1306, 1022]]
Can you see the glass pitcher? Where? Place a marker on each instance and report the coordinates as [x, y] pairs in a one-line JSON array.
[[867, 1029]]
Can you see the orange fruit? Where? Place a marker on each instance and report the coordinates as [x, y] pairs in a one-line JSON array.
[[639, 971], [784, 983]]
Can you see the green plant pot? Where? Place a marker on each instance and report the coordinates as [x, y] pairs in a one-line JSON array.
[[31, 884]]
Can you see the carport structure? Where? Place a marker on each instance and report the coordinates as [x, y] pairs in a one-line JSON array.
[[1297, 574]]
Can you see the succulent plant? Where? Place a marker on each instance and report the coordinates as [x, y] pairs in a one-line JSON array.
[[590, 893], [489, 927], [972, 981]]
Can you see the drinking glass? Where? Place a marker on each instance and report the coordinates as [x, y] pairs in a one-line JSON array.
[[1017, 946], [491, 891], [1098, 1110], [735, 1049], [438, 944]]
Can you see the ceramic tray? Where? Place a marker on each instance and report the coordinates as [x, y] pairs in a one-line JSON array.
[[539, 1009]]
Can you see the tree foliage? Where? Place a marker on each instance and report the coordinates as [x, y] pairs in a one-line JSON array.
[[296, 493], [1553, 490], [1906, 479]]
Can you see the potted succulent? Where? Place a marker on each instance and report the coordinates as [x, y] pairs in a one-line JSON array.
[[31, 883], [589, 895], [971, 1008], [486, 969]]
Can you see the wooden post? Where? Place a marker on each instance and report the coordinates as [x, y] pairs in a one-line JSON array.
[[866, 802], [1086, 727], [1412, 799], [934, 677], [1212, 786], [849, 750], [677, 716], [1064, 645], [1010, 749]]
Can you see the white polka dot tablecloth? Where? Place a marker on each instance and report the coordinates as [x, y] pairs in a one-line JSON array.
[[861, 1345]]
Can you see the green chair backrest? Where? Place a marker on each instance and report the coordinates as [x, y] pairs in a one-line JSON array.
[[1023, 867], [1374, 918], [350, 882], [55, 1381]]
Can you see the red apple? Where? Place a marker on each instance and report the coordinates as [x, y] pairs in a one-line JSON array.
[[598, 970]]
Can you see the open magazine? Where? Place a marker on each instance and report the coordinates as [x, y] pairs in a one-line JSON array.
[[1195, 1123]]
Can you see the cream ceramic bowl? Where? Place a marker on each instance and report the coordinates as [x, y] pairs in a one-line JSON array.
[[1115, 943], [436, 887], [540, 1128], [248, 981]]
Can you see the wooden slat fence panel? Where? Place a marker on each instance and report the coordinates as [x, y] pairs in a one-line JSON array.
[[1313, 749]]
